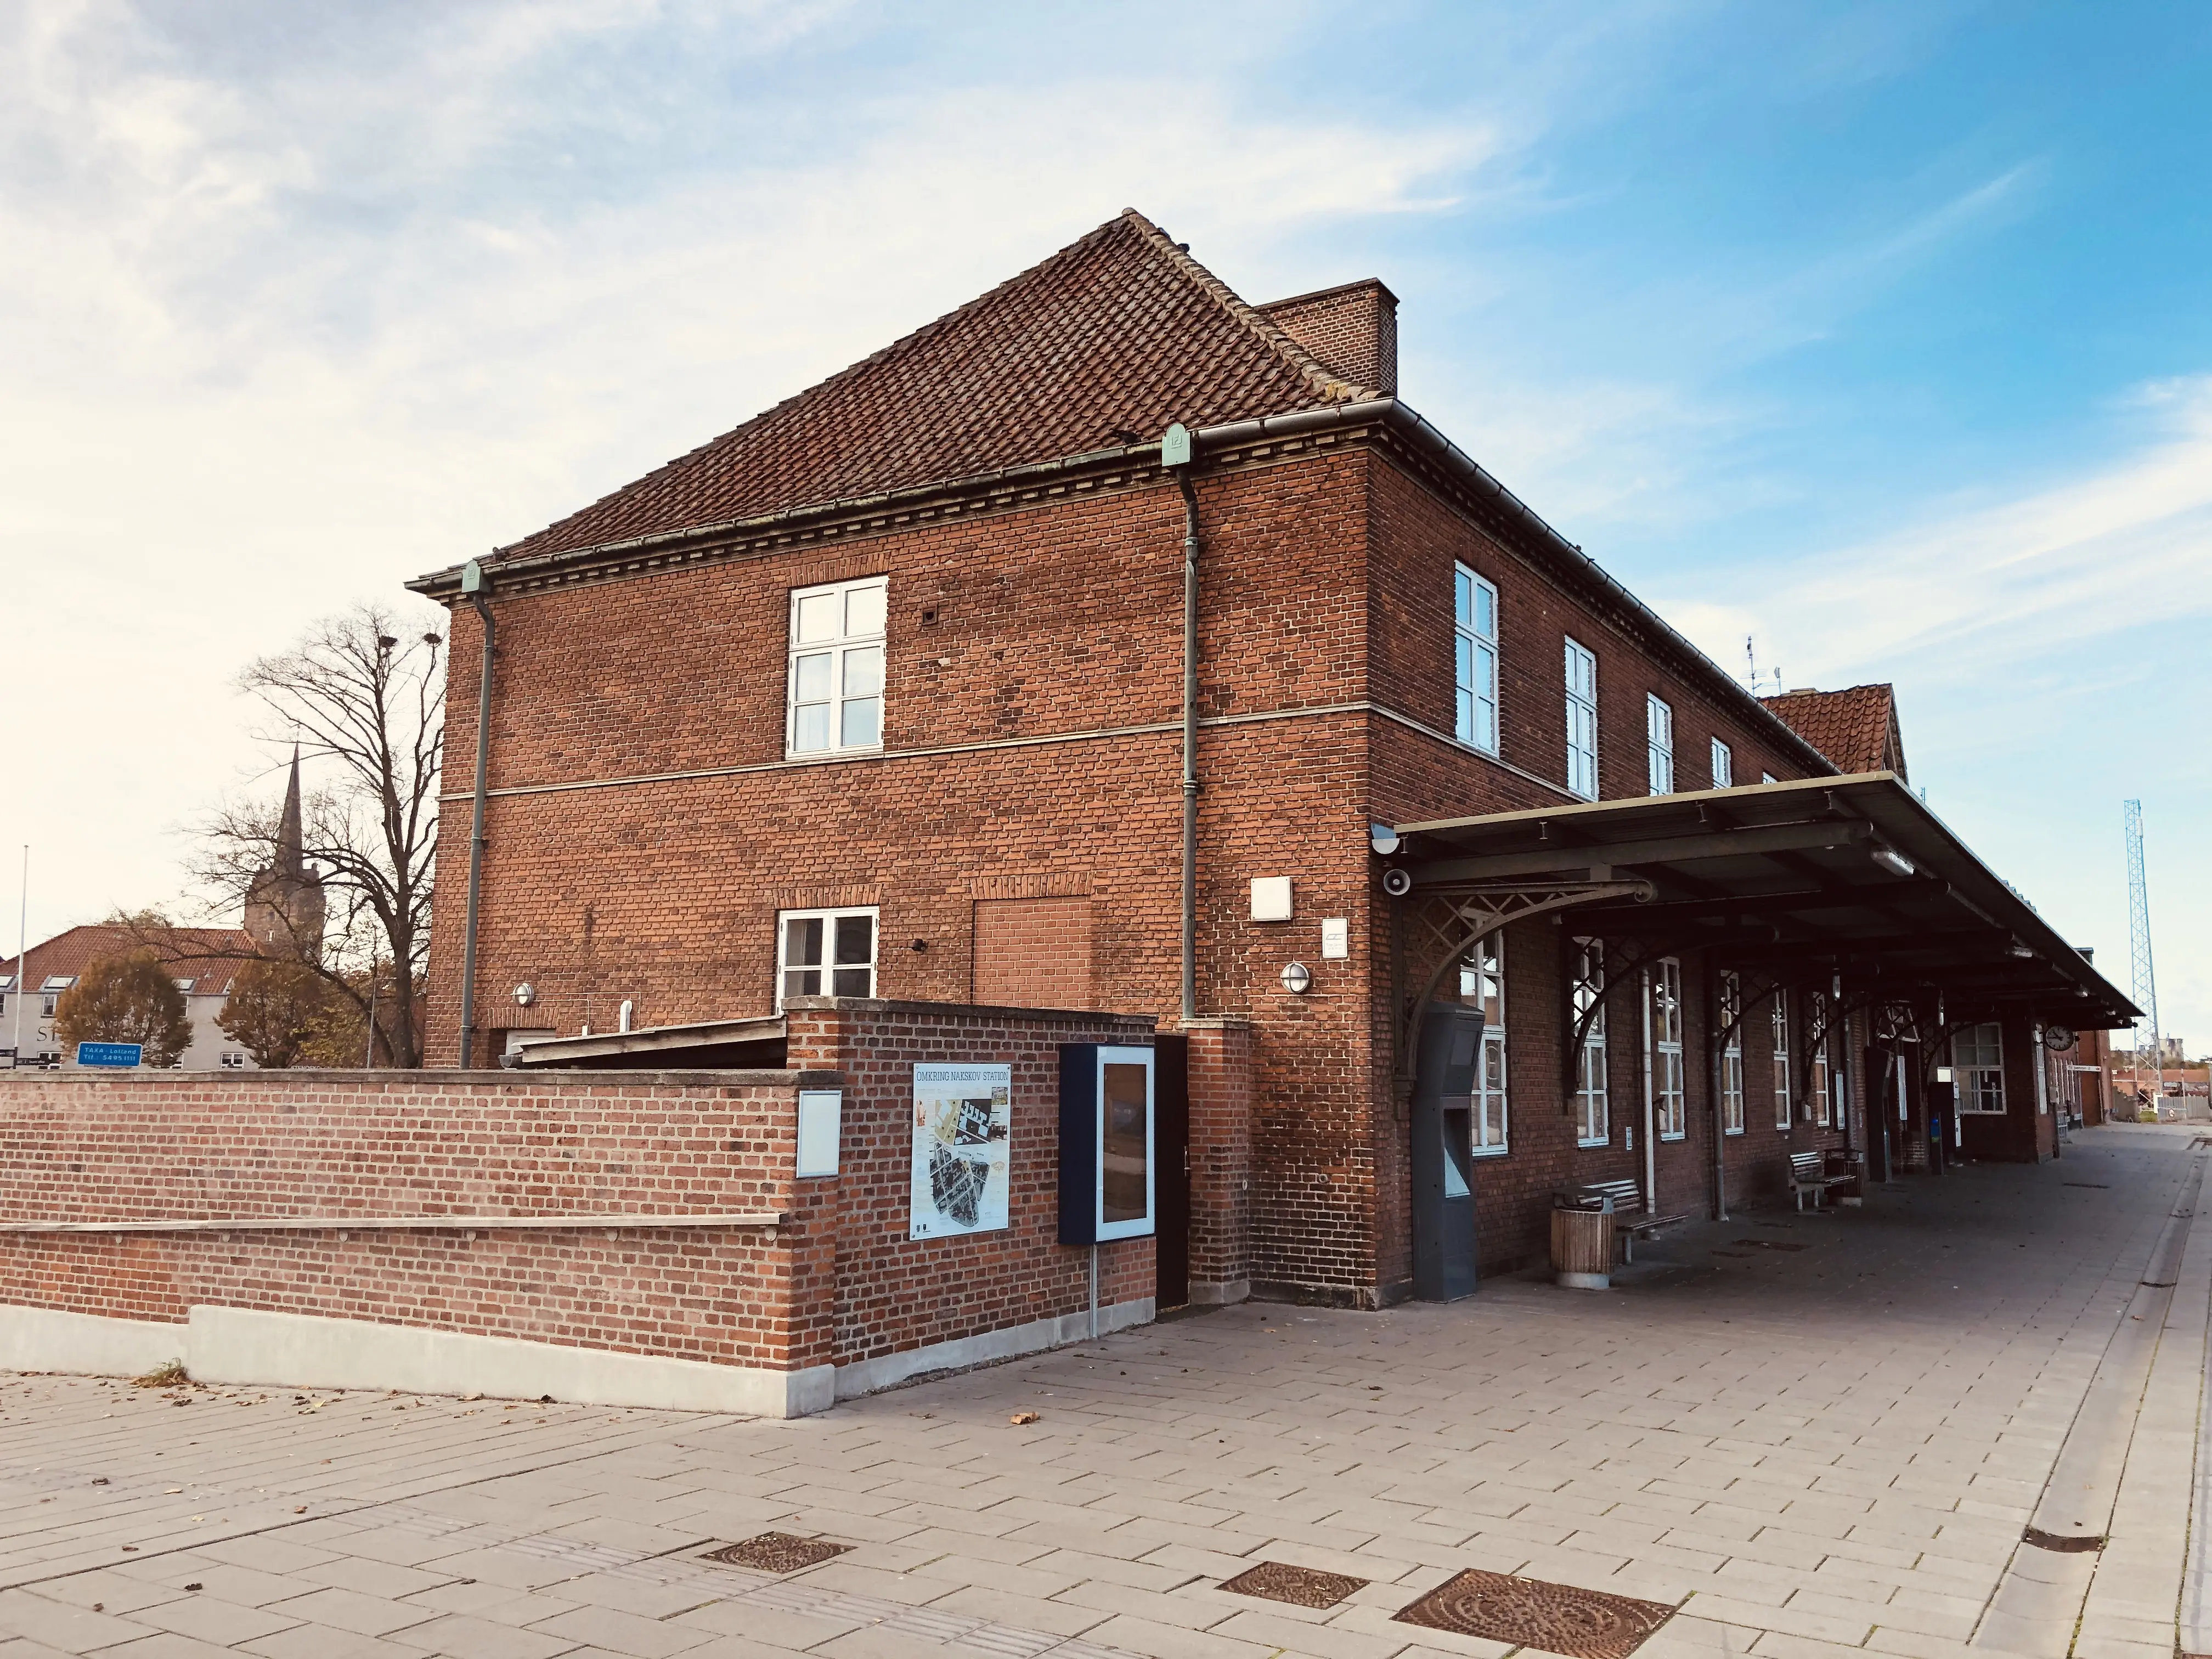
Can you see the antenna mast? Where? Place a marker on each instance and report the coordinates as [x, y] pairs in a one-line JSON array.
[[2146, 982]]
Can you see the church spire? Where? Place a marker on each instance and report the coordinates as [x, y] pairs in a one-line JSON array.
[[291, 856]]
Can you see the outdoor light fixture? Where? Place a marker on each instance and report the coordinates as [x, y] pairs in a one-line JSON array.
[[2024, 952], [525, 994], [1383, 839], [1893, 862], [1297, 978]]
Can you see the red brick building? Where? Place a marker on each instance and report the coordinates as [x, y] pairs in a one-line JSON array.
[[881, 695]]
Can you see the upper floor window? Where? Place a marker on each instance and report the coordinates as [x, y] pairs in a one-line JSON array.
[[1582, 721], [1474, 659], [835, 691], [1482, 980], [1659, 736], [1978, 1068], [1723, 765], [825, 953]]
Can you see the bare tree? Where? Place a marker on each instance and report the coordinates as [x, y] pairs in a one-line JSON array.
[[363, 692]]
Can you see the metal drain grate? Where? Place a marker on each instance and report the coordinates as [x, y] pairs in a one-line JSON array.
[[777, 1552], [1556, 1618], [1301, 1587]]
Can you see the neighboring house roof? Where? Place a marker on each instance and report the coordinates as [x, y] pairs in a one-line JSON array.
[[1856, 728], [1118, 333], [208, 956]]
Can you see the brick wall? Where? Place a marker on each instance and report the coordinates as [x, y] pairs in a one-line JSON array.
[[839, 1282], [1033, 952], [241, 1146], [1351, 330]]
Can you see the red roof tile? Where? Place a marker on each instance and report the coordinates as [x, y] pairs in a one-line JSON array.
[[207, 956], [1856, 728], [1121, 330]]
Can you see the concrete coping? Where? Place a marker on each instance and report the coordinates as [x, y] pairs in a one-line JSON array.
[[506, 1078], [965, 1010], [366, 1224]]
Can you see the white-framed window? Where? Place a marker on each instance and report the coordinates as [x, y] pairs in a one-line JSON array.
[[1593, 1105], [1978, 1069], [1659, 743], [1731, 1017], [1723, 765], [1781, 1018], [46, 1005], [825, 953], [1816, 1079], [1582, 721], [1667, 1049], [232, 1060], [1474, 659], [835, 690], [1482, 980]]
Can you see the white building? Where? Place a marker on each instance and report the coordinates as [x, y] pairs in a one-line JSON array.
[[202, 962]]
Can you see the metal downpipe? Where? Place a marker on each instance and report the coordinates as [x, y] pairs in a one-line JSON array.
[[476, 839], [1189, 744]]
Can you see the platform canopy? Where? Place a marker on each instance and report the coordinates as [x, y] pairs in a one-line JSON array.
[[1849, 875]]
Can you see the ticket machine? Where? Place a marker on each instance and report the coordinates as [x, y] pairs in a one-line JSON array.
[[1448, 1060]]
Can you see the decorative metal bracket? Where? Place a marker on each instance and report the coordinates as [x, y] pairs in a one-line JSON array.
[[1435, 930]]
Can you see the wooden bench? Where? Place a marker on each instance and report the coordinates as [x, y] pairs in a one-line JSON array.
[[1625, 1200], [1809, 1173]]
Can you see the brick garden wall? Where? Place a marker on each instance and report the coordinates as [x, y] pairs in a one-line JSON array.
[[838, 1282], [239, 1145]]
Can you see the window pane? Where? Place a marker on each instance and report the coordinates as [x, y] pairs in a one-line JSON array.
[[802, 982], [802, 942], [864, 610], [1486, 613], [817, 618], [1463, 660], [861, 723], [851, 982], [864, 671], [810, 729], [1122, 1157], [810, 678], [856, 939], [1463, 728], [1463, 598]]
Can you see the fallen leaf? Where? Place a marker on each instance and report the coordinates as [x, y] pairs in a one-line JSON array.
[[1020, 1419]]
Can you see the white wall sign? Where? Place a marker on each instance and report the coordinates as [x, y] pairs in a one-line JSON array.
[[964, 1122], [1335, 938], [821, 1123]]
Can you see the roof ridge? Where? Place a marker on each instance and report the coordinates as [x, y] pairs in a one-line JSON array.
[[1330, 385]]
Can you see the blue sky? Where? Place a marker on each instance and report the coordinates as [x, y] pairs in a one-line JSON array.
[[1874, 332]]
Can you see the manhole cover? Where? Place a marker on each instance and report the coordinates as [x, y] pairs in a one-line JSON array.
[[1767, 1244], [1301, 1587], [1557, 1618], [777, 1552]]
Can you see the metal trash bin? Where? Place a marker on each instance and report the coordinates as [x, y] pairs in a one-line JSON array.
[[1581, 1248]]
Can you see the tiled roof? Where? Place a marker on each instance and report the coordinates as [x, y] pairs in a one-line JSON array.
[[1856, 728], [1121, 332], [207, 956]]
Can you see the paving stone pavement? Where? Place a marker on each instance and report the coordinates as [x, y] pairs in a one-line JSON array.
[[1807, 1451]]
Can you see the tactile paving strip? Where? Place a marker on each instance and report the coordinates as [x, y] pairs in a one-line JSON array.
[[777, 1552], [1301, 1587], [1556, 1618]]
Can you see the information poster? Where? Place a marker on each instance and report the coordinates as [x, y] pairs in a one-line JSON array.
[[964, 1122]]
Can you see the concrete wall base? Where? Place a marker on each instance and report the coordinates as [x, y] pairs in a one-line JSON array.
[[1224, 1295], [301, 1351], [887, 1371]]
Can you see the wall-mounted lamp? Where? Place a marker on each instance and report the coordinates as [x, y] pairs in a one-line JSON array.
[[1383, 839], [2024, 952], [1297, 978], [524, 994]]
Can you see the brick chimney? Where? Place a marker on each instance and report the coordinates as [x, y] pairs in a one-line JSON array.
[[1351, 330]]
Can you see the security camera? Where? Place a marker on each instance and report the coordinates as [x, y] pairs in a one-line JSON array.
[[1397, 883]]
